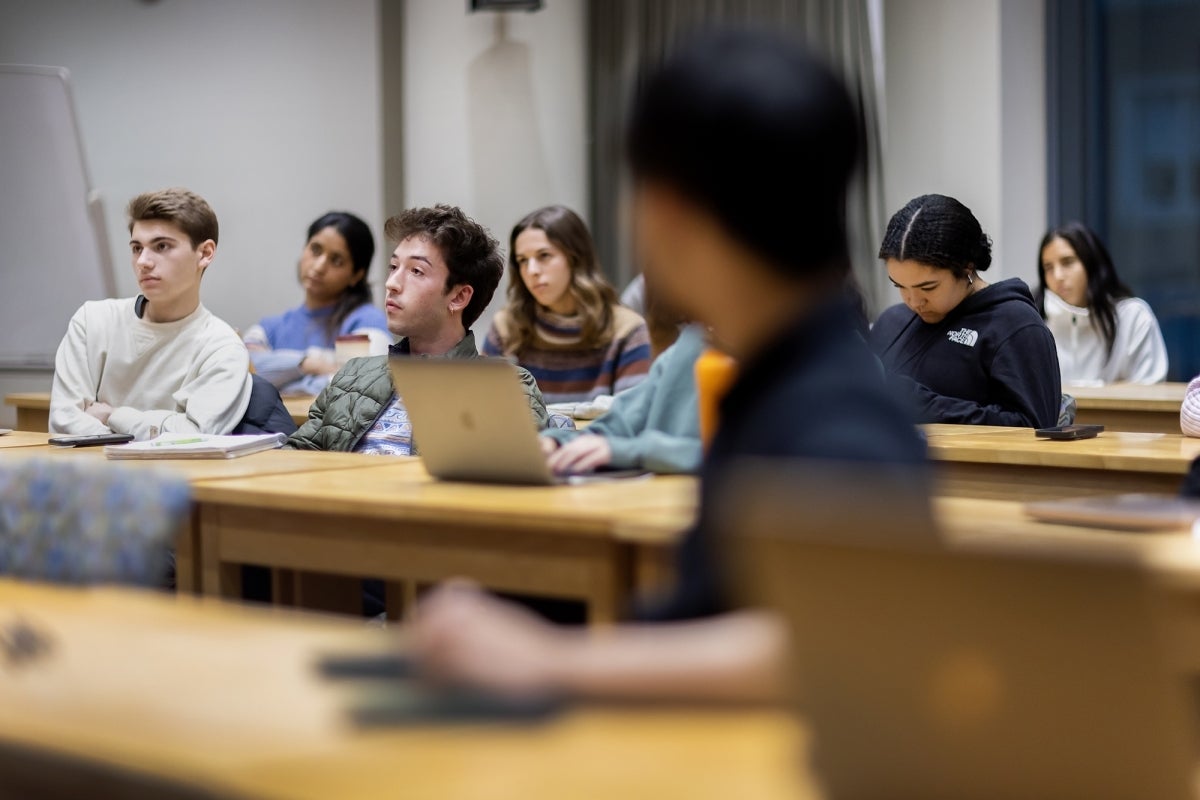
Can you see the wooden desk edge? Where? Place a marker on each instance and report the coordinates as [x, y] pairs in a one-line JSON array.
[[30, 405]]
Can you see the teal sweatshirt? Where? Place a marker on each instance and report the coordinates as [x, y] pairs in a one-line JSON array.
[[656, 424]]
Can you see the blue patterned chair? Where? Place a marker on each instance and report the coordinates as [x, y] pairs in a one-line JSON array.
[[88, 523]]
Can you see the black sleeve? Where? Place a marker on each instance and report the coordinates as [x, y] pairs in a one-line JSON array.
[[853, 426]]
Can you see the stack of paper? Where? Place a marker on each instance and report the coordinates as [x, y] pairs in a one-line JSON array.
[[587, 409], [196, 445]]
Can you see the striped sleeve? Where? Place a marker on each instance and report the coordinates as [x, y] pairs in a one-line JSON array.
[[632, 356], [493, 343], [1189, 413]]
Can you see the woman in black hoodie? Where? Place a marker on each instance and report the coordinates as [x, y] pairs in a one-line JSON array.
[[961, 350]]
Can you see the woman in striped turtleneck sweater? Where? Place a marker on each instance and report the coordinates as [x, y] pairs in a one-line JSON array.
[[563, 322]]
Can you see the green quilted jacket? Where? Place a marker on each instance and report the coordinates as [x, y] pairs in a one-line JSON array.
[[360, 391]]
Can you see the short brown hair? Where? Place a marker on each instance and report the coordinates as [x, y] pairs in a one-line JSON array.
[[471, 254], [188, 210]]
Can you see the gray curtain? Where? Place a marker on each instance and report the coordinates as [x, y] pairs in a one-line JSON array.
[[625, 37]]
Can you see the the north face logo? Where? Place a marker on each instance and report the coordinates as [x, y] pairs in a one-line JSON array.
[[965, 336]]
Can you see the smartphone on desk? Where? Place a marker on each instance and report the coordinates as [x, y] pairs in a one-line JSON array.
[[91, 439], [1068, 432]]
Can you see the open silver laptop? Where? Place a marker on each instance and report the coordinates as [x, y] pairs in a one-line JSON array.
[[472, 422], [933, 670]]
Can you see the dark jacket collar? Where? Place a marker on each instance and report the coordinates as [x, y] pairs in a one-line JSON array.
[[464, 349]]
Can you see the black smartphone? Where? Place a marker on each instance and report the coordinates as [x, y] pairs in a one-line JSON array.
[[91, 439], [1070, 432], [392, 666]]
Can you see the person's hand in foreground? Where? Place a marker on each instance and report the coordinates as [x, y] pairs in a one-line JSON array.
[[462, 635]]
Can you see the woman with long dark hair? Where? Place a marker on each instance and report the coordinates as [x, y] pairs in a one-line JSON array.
[[562, 321], [1103, 333], [959, 349], [295, 350]]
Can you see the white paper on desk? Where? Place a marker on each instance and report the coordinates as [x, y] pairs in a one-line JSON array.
[[196, 445], [589, 409]]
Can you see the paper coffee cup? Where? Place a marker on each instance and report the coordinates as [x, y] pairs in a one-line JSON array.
[[351, 346]]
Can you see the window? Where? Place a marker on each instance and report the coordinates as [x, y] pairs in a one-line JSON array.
[[1123, 94]]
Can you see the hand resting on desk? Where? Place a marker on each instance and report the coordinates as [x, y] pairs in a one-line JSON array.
[[462, 635], [585, 453]]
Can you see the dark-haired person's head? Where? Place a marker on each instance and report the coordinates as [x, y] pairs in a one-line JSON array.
[[1074, 264], [334, 264], [442, 274], [742, 140], [934, 249]]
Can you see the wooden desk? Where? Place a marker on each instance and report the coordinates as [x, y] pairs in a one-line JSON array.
[[394, 522], [24, 439], [965, 521], [1130, 407], [201, 470], [297, 406], [33, 409], [943, 429], [651, 536], [969, 521], [1006, 463], [224, 699], [198, 472]]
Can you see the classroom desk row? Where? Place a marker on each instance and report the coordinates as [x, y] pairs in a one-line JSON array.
[[255, 720], [360, 516], [141, 694], [1152, 408], [1011, 463], [366, 516], [138, 693], [1119, 407], [33, 409]]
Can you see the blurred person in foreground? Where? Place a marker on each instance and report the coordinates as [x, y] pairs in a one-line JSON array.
[[741, 149]]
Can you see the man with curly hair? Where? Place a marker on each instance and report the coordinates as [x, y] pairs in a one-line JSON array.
[[443, 272]]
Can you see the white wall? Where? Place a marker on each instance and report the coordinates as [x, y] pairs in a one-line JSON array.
[[269, 109], [1023, 188], [272, 109], [965, 116], [495, 112]]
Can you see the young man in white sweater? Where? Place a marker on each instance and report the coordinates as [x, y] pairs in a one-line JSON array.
[[160, 362]]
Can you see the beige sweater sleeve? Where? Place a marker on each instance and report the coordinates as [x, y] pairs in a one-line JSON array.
[[74, 384]]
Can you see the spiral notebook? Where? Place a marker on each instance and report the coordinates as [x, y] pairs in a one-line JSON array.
[[195, 445]]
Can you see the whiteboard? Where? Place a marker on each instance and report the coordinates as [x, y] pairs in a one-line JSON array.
[[53, 249]]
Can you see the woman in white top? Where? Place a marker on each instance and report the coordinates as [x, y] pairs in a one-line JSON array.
[[1103, 333]]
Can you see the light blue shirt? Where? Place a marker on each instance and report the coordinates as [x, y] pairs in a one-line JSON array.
[[289, 336]]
